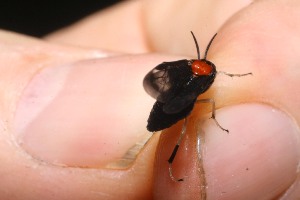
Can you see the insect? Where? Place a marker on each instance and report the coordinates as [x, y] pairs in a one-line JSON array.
[[176, 86]]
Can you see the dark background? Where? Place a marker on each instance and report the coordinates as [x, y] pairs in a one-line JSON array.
[[39, 17]]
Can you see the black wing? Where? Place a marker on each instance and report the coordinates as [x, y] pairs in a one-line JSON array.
[[167, 79], [196, 86], [159, 120]]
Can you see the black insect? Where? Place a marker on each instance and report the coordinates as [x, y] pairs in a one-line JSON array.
[[176, 86]]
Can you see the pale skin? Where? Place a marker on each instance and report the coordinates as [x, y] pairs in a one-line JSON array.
[[258, 159]]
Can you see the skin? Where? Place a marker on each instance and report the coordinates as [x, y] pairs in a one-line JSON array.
[[258, 159]]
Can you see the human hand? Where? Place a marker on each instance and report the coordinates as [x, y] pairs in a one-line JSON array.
[[258, 159]]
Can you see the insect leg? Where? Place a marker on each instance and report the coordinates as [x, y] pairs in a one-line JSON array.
[[213, 113], [232, 75], [171, 159]]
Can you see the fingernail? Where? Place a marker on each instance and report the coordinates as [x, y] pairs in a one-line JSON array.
[[258, 159], [81, 114]]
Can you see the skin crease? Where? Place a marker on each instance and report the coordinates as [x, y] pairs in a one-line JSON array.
[[255, 32]]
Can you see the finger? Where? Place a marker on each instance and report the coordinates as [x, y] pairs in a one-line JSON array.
[[254, 161], [267, 137], [118, 28], [168, 25], [68, 121]]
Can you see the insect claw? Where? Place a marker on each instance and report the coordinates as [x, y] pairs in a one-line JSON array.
[[217, 123], [172, 176]]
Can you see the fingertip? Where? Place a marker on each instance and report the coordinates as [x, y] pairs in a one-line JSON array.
[[169, 24], [258, 159]]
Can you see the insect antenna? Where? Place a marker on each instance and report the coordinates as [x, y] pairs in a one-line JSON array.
[[171, 159], [209, 45], [197, 46]]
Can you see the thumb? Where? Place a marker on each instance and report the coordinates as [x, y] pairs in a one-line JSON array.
[[69, 117]]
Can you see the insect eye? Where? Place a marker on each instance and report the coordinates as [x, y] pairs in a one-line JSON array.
[[200, 67]]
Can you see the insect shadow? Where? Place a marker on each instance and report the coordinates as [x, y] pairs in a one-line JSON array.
[[176, 86]]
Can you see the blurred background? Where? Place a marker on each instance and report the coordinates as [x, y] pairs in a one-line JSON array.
[[39, 17]]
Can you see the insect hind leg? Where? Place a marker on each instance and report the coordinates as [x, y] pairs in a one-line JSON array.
[[213, 113], [171, 159]]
